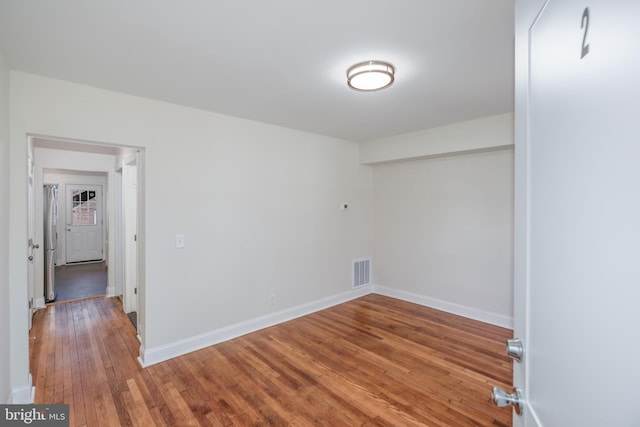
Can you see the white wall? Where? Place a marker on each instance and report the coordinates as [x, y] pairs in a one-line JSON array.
[[5, 380], [258, 205], [443, 203], [481, 134], [444, 230]]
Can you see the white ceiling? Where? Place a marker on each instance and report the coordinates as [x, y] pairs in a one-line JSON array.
[[278, 61]]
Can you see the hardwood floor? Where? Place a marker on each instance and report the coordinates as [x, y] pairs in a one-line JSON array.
[[371, 361]]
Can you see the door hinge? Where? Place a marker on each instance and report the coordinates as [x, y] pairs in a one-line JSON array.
[[135, 291], [30, 303], [135, 237]]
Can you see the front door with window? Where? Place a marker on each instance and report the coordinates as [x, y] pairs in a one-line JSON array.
[[84, 223]]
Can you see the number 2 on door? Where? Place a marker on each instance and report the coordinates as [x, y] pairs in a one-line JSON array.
[[585, 25]]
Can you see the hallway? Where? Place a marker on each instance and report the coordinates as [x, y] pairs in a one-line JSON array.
[[76, 281]]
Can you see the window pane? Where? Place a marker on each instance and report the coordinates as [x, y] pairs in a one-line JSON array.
[[84, 208]]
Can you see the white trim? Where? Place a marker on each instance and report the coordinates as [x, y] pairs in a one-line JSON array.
[[141, 352], [449, 307], [22, 395], [111, 291], [39, 303], [531, 418], [159, 354]]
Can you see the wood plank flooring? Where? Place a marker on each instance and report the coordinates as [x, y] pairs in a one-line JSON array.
[[374, 361]]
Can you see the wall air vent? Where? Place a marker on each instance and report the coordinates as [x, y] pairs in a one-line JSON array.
[[361, 272]]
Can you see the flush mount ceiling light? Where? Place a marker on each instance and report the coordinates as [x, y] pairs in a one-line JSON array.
[[370, 76]]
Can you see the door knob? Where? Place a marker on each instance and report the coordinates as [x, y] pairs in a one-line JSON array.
[[501, 398], [515, 349]]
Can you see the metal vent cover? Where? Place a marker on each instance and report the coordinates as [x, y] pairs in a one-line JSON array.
[[361, 272]]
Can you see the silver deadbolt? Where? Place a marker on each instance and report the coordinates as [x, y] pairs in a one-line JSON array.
[[501, 398], [515, 349]]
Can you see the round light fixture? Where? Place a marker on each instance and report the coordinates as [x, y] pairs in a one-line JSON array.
[[370, 76]]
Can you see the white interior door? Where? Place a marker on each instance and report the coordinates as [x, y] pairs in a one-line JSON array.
[[34, 254], [130, 196], [84, 237], [578, 185]]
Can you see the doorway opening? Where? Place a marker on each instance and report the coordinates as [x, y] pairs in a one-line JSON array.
[[75, 233], [96, 220]]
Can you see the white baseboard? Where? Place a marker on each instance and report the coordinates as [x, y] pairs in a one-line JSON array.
[[159, 354], [39, 303], [111, 291], [22, 395], [449, 307]]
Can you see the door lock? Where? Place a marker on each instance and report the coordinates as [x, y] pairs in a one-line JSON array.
[[515, 349], [501, 398]]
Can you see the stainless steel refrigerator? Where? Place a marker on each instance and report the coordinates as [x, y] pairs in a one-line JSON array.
[[50, 240]]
